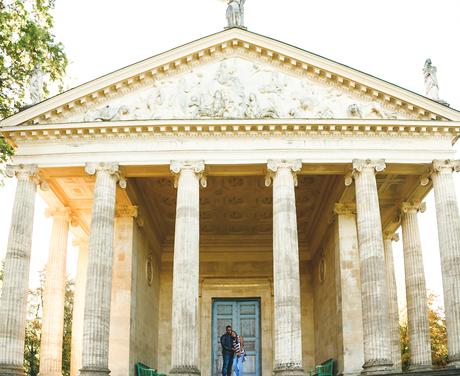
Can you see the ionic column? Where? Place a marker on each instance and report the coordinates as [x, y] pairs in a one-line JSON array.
[[286, 278], [377, 348], [393, 310], [79, 306], [53, 295], [417, 304], [16, 271], [185, 340], [449, 247], [99, 275]]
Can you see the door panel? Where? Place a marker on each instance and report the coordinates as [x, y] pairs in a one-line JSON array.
[[244, 317]]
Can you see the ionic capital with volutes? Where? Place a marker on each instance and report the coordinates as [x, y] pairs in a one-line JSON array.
[[364, 165], [198, 167], [274, 165], [413, 207], [24, 172], [112, 168], [440, 166]]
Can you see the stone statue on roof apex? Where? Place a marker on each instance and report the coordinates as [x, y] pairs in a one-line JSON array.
[[235, 13]]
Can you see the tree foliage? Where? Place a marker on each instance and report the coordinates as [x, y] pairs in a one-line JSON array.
[[438, 335], [26, 42]]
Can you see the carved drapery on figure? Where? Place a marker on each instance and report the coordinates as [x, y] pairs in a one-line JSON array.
[[431, 80], [235, 13]]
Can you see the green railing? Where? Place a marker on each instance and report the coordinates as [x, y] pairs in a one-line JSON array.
[[143, 370], [324, 369]]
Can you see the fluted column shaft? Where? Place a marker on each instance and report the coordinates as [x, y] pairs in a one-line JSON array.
[[185, 321], [79, 307], [417, 303], [53, 295], [449, 247], [99, 275], [377, 348], [13, 301], [286, 278], [393, 310]]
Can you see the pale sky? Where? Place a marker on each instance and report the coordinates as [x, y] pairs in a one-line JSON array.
[[390, 39]]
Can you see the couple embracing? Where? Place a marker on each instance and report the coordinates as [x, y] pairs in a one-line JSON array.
[[232, 352]]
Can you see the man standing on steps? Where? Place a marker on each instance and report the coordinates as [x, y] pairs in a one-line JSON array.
[[227, 351]]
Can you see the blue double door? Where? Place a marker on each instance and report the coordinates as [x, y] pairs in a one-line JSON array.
[[244, 317]]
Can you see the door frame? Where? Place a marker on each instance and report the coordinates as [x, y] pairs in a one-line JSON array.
[[239, 299], [245, 288]]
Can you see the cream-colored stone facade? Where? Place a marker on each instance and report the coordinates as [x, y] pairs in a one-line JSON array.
[[233, 167]]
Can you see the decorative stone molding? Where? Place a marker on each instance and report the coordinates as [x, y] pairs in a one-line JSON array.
[[198, 167], [361, 165], [345, 208], [266, 127], [413, 207], [274, 165], [26, 172], [126, 211], [112, 168]]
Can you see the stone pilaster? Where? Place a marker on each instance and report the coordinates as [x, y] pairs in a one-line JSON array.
[[449, 247], [121, 302], [350, 350], [377, 348], [79, 306], [53, 295], [286, 278], [99, 275], [393, 309], [416, 296], [185, 320], [16, 271]]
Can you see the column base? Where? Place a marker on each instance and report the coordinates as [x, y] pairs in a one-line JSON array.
[[288, 369], [454, 361], [94, 371], [420, 367], [185, 371], [10, 370], [377, 367]]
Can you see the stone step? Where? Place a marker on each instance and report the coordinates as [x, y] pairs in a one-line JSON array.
[[437, 372]]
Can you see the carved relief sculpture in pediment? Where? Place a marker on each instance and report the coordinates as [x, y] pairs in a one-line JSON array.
[[240, 89]]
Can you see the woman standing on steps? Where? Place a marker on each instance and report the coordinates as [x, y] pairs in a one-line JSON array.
[[240, 355]]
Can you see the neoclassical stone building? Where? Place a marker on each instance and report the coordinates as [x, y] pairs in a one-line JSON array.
[[233, 180]]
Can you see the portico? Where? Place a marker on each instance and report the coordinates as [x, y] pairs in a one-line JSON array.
[[296, 214]]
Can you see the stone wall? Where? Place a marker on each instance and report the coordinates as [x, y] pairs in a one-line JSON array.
[[145, 304], [325, 305], [308, 322]]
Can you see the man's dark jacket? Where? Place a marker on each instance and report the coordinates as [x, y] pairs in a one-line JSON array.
[[227, 343]]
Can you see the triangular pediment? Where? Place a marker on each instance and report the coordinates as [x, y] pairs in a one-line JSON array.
[[234, 74]]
